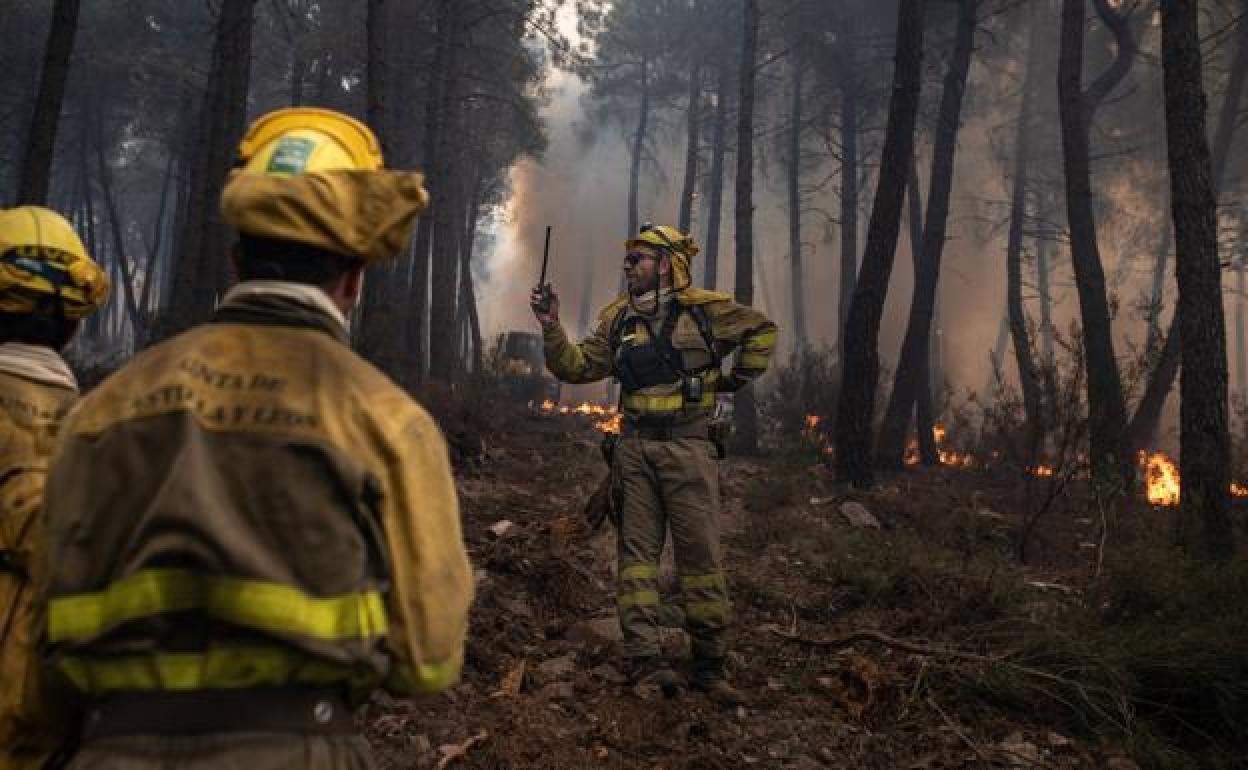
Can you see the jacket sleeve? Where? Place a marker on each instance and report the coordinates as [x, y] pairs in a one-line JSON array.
[[749, 332], [588, 361], [432, 578]]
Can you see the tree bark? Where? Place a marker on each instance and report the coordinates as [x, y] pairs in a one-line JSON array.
[[1028, 373], [1111, 463], [860, 368], [443, 359], [928, 453], [744, 412], [1148, 413], [719, 148], [1204, 437], [415, 327], [693, 123], [379, 285], [36, 174], [795, 208], [849, 188], [916, 346], [201, 267]]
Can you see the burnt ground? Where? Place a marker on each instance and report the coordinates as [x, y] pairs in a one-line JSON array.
[[939, 578]]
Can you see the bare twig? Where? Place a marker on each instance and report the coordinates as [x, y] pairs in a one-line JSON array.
[[452, 752]]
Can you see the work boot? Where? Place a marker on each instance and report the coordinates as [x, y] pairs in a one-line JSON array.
[[710, 677], [650, 673]]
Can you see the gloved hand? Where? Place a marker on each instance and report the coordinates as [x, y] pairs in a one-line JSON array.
[[544, 301]]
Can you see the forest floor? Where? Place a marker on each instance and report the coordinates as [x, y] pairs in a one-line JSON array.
[[940, 679]]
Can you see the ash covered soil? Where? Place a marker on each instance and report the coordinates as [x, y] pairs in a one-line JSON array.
[[542, 686]]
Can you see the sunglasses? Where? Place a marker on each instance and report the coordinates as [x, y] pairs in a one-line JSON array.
[[633, 257]]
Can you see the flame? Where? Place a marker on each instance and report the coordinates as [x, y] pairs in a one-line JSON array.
[[1238, 490], [911, 457], [1043, 471], [812, 421], [939, 433], [1162, 478], [610, 424]]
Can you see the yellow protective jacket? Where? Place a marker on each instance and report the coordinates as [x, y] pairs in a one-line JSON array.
[[732, 327], [36, 390], [251, 504]]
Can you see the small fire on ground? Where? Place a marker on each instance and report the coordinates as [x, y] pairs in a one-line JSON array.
[[606, 418], [1161, 476], [945, 455]]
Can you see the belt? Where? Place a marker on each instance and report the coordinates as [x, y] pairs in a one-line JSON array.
[[280, 710], [665, 432]]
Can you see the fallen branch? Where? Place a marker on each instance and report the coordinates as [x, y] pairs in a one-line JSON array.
[[857, 637], [452, 752]]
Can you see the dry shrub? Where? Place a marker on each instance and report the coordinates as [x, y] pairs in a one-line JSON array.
[[807, 386], [1156, 656]]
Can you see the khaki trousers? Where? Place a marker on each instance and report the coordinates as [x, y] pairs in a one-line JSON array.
[[671, 484]]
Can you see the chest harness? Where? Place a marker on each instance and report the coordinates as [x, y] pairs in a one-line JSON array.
[[656, 361]]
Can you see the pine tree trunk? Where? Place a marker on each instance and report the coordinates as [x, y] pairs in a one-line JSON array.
[[1157, 290], [415, 332], [36, 173], [849, 192], [1204, 438], [1106, 409], [795, 209], [375, 313], [915, 357], [719, 148], [1044, 293], [744, 412], [860, 367], [1028, 374], [201, 266], [444, 262], [928, 453], [1148, 413], [693, 122]]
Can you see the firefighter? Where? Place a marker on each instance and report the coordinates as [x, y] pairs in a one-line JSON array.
[[253, 529], [664, 341], [48, 283]]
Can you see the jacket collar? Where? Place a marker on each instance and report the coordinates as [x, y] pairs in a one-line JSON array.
[[36, 363], [282, 303]]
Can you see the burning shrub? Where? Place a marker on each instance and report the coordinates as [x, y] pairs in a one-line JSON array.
[[798, 410]]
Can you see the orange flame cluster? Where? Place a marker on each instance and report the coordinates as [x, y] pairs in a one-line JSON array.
[[1161, 476], [949, 457], [609, 419]]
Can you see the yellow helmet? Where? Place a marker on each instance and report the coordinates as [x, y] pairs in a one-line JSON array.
[[679, 246], [664, 237], [40, 257], [300, 139]]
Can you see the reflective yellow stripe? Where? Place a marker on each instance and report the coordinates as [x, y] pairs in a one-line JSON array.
[[762, 339], [710, 580], [640, 402], [713, 611], [638, 599], [220, 668], [250, 603], [753, 360], [639, 572], [405, 679]]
